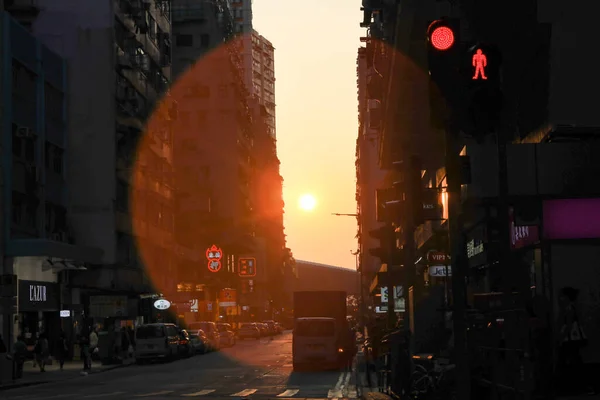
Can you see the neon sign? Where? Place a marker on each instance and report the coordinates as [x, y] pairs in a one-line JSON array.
[[479, 62], [214, 255]]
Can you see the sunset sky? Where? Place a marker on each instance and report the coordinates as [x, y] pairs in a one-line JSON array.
[[316, 44]]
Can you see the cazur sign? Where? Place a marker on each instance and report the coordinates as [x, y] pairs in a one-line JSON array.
[[38, 296]]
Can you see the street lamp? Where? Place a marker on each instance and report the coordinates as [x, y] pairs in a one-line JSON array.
[[358, 265]]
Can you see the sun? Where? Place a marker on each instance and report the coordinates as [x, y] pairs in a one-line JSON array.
[[307, 202]]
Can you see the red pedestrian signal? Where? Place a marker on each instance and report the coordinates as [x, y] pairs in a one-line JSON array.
[[479, 63], [441, 35], [247, 266]]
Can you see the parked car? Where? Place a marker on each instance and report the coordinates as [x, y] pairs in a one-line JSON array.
[[270, 327], [264, 329], [211, 331], [226, 335], [156, 341], [249, 330], [200, 342], [185, 346]]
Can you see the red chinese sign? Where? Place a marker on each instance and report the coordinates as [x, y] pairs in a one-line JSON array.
[[214, 255]]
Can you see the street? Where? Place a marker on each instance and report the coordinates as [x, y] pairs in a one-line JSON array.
[[256, 369]]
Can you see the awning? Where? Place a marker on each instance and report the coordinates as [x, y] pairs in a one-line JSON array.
[[52, 249]]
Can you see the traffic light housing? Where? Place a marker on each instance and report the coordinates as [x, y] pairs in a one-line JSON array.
[[443, 55], [481, 71], [247, 266], [387, 251]]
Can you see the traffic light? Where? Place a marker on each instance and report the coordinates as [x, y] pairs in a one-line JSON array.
[[443, 56], [247, 266], [387, 251], [481, 72]]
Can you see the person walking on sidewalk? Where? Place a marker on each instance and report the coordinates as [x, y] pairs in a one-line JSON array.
[[93, 345], [42, 351], [19, 354], [62, 349]]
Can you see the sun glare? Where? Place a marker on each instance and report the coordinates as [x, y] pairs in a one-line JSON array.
[[307, 202]]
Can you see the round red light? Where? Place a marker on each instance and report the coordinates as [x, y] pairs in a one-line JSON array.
[[442, 38]]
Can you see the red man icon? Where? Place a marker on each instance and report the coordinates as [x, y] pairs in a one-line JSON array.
[[479, 62]]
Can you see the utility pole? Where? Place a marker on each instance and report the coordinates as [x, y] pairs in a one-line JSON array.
[[457, 260]]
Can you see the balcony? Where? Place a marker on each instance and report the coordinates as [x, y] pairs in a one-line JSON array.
[[24, 11]]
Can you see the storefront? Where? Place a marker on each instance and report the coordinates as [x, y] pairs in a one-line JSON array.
[[39, 310]]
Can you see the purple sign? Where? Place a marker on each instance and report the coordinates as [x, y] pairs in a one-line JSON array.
[[572, 219]]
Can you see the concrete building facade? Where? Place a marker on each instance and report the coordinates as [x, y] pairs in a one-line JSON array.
[[119, 176]]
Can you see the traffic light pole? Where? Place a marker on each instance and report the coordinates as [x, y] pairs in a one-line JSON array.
[[457, 259]]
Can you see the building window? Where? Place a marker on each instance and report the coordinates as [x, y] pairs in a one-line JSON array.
[[54, 158], [204, 40], [184, 40]]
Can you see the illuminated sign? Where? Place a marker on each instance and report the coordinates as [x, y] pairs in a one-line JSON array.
[[247, 266], [214, 255], [479, 63], [162, 304]]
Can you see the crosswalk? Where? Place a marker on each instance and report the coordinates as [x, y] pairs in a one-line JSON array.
[[337, 393]]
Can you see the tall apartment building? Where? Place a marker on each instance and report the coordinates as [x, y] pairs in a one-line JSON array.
[[215, 134], [119, 174], [258, 56], [38, 240], [369, 176]]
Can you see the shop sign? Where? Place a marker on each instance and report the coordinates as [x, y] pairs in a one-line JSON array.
[[38, 296], [65, 313], [162, 304], [521, 236], [439, 270], [474, 248], [228, 298], [437, 257]]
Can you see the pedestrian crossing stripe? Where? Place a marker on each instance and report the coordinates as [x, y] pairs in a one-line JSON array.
[[199, 393]]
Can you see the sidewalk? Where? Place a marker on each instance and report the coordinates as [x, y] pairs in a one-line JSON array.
[[72, 369]]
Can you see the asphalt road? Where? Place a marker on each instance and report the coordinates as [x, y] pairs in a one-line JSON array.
[[251, 369]]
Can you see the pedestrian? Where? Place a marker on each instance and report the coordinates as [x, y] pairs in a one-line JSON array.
[[84, 342], [62, 349], [93, 350], [572, 340], [19, 354], [42, 351], [2, 346]]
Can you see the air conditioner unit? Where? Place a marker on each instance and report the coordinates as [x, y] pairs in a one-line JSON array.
[[24, 132]]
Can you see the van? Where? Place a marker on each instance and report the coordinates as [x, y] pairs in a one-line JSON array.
[[155, 341], [315, 343]]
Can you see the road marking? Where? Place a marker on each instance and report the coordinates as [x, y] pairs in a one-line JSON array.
[[154, 393], [244, 393], [352, 392], [347, 379], [339, 381], [200, 393], [95, 396], [289, 393]]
